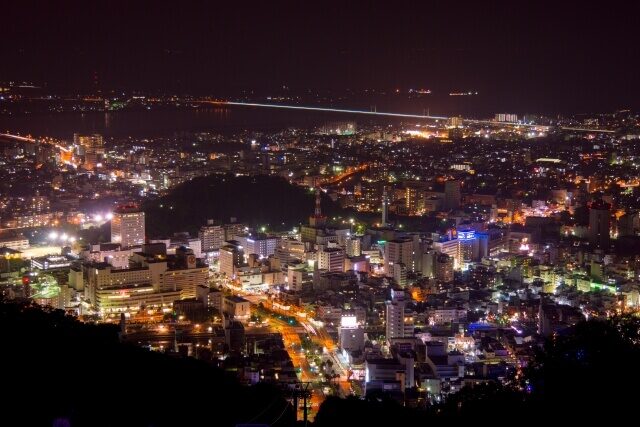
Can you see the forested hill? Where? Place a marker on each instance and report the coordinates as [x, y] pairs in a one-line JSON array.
[[257, 200]]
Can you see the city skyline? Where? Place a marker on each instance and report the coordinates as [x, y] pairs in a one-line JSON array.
[[317, 214]]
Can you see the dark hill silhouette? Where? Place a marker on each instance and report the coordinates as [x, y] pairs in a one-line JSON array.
[[55, 367], [256, 200]]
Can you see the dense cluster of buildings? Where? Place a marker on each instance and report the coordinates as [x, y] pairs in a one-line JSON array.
[[461, 247]]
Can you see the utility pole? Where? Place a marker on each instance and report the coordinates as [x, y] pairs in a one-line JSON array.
[[295, 392]]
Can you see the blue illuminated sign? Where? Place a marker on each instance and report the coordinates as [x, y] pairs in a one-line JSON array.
[[466, 235]]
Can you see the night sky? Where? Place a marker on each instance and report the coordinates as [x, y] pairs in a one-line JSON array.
[[533, 55]]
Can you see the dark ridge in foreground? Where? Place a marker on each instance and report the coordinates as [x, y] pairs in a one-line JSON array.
[[57, 368]]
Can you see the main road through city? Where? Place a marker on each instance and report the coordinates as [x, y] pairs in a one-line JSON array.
[[291, 335]]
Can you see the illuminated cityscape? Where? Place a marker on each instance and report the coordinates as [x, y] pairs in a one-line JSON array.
[[407, 227]]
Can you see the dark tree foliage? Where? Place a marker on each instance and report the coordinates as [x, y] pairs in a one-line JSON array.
[[374, 411], [55, 367], [587, 372], [257, 200]]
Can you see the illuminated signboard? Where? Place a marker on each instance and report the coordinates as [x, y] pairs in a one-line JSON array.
[[348, 322], [466, 235]]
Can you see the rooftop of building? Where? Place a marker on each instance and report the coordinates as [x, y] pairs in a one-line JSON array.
[[4, 251], [383, 362], [235, 299]]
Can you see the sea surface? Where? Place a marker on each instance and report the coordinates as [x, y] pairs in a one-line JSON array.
[[224, 120]]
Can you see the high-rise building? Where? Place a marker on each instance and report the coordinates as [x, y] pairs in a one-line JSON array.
[[231, 257], [629, 224], [452, 194], [414, 199], [398, 251], [369, 195], [331, 259], [399, 322], [289, 250], [353, 246], [92, 147], [454, 248], [89, 143], [455, 122], [385, 207], [297, 276], [444, 268], [128, 226], [600, 224], [211, 236], [233, 229], [400, 274], [37, 204], [506, 118], [261, 245], [466, 241], [429, 263], [351, 334]]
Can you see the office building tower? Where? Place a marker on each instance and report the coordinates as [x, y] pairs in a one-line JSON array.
[[466, 244], [385, 207], [400, 274], [233, 229], [91, 147], [351, 334], [429, 263], [450, 247], [212, 236], [261, 245], [290, 250], [398, 251], [506, 118], [600, 225], [128, 226], [398, 324], [297, 276], [89, 143], [455, 122], [414, 199], [231, 257], [629, 224], [444, 268], [331, 259], [353, 246], [452, 194], [369, 195]]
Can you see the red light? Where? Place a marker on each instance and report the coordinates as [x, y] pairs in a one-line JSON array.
[[26, 280]]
